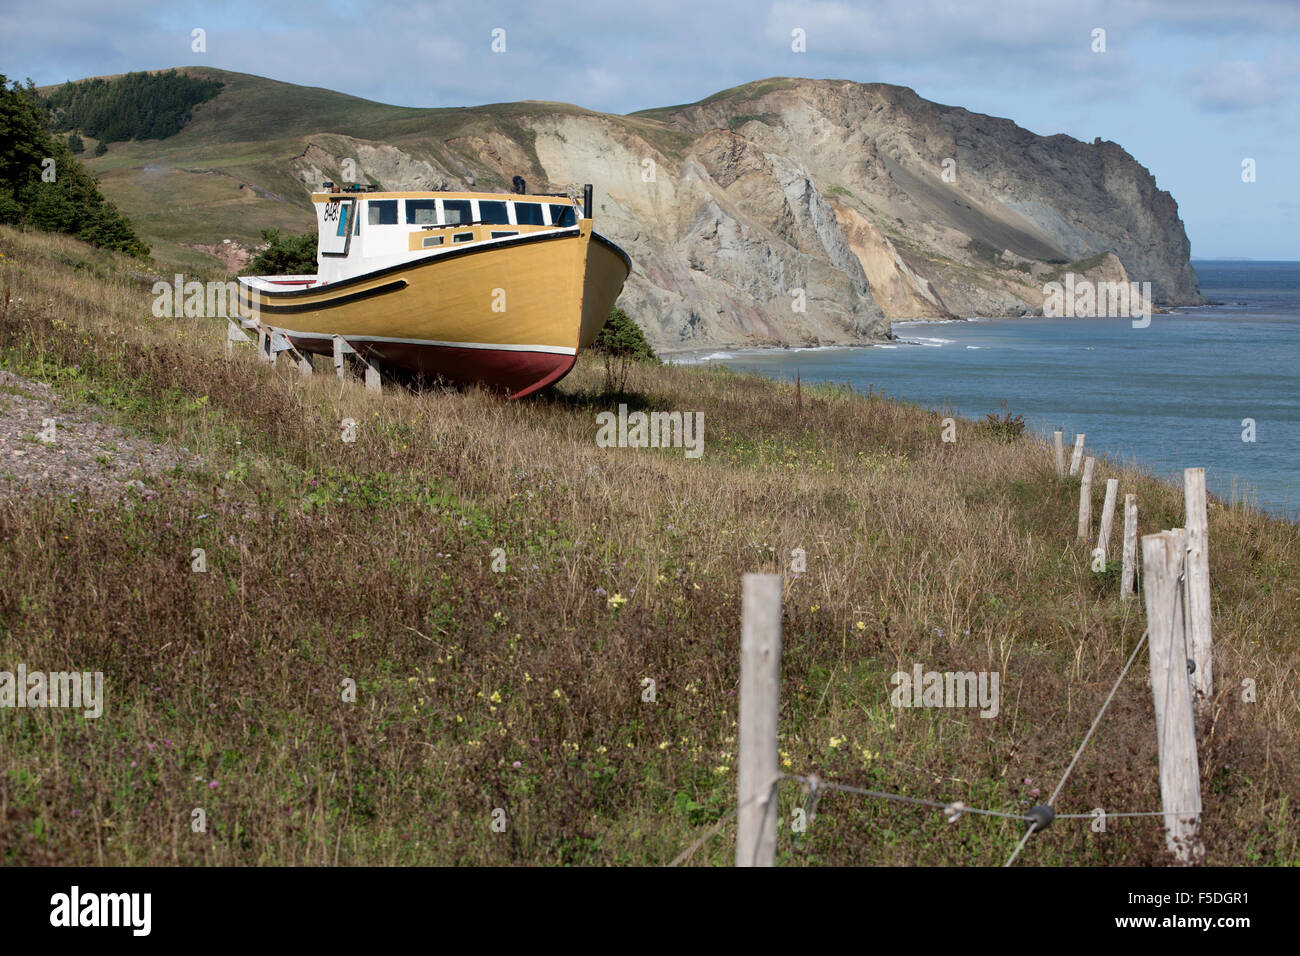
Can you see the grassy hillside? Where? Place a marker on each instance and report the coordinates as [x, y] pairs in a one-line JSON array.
[[226, 175], [523, 690]]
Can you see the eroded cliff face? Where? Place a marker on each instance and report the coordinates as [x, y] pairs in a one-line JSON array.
[[803, 212]]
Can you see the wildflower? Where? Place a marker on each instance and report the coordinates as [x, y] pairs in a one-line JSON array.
[[836, 741], [665, 745], [556, 693], [212, 785], [617, 600], [861, 626], [516, 764], [720, 770], [496, 697], [785, 759]]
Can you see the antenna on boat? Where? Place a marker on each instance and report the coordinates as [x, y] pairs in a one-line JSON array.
[[586, 201]]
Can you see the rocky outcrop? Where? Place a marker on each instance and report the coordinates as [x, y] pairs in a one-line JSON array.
[[787, 211]]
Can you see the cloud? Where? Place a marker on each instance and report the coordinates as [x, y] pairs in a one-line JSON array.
[[1235, 86]]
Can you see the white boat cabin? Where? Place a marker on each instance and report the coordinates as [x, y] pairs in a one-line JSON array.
[[364, 231]]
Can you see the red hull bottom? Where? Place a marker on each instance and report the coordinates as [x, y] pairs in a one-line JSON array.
[[517, 373]]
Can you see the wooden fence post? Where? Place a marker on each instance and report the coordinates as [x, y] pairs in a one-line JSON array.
[[1199, 638], [1085, 498], [1058, 440], [760, 683], [1163, 557], [1127, 577], [1107, 520], [1077, 458]]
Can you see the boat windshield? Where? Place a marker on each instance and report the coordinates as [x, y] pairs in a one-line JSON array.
[[529, 214]]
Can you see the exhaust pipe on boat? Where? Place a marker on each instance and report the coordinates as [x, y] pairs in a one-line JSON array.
[[586, 202]]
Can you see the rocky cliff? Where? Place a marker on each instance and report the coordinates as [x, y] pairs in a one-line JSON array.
[[786, 211]]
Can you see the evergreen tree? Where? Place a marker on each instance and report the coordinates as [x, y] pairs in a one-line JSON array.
[[75, 144], [42, 184], [135, 106], [284, 255]]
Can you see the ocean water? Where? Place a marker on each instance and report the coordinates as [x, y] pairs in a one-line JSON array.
[[1166, 397]]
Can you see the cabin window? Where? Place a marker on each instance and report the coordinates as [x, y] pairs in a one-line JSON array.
[[455, 212], [501, 234], [493, 213], [462, 237], [529, 214], [421, 212], [428, 241], [383, 212], [562, 216]]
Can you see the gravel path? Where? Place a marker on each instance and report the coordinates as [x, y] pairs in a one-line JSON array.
[[80, 453]]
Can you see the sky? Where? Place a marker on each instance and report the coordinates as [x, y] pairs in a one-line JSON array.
[[1193, 89]]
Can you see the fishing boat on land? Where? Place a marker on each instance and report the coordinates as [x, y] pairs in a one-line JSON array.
[[502, 289]]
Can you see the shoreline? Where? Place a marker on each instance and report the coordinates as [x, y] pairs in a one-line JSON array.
[[693, 355]]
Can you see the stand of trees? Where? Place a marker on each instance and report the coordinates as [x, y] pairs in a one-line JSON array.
[[284, 255], [134, 106], [42, 185]]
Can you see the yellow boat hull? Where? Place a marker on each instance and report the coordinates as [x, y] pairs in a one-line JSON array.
[[511, 314]]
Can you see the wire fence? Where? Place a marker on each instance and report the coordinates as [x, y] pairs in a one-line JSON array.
[[1038, 818]]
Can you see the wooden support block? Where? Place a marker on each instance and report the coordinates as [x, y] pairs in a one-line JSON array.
[[341, 348], [234, 334]]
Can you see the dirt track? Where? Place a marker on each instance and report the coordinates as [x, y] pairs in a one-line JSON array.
[[85, 455]]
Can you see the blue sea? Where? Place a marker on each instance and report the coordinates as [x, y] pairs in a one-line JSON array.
[[1170, 396]]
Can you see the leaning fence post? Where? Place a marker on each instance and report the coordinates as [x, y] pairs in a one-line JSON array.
[[1127, 576], [1058, 440], [1163, 557], [1085, 498], [1107, 520], [760, 682], [1077, 458], [1199, 637]]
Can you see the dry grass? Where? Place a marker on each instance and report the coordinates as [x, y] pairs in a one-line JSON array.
[[372, 562]]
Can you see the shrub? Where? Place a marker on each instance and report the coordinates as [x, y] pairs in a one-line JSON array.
[[1006, 427], [620, 343]]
